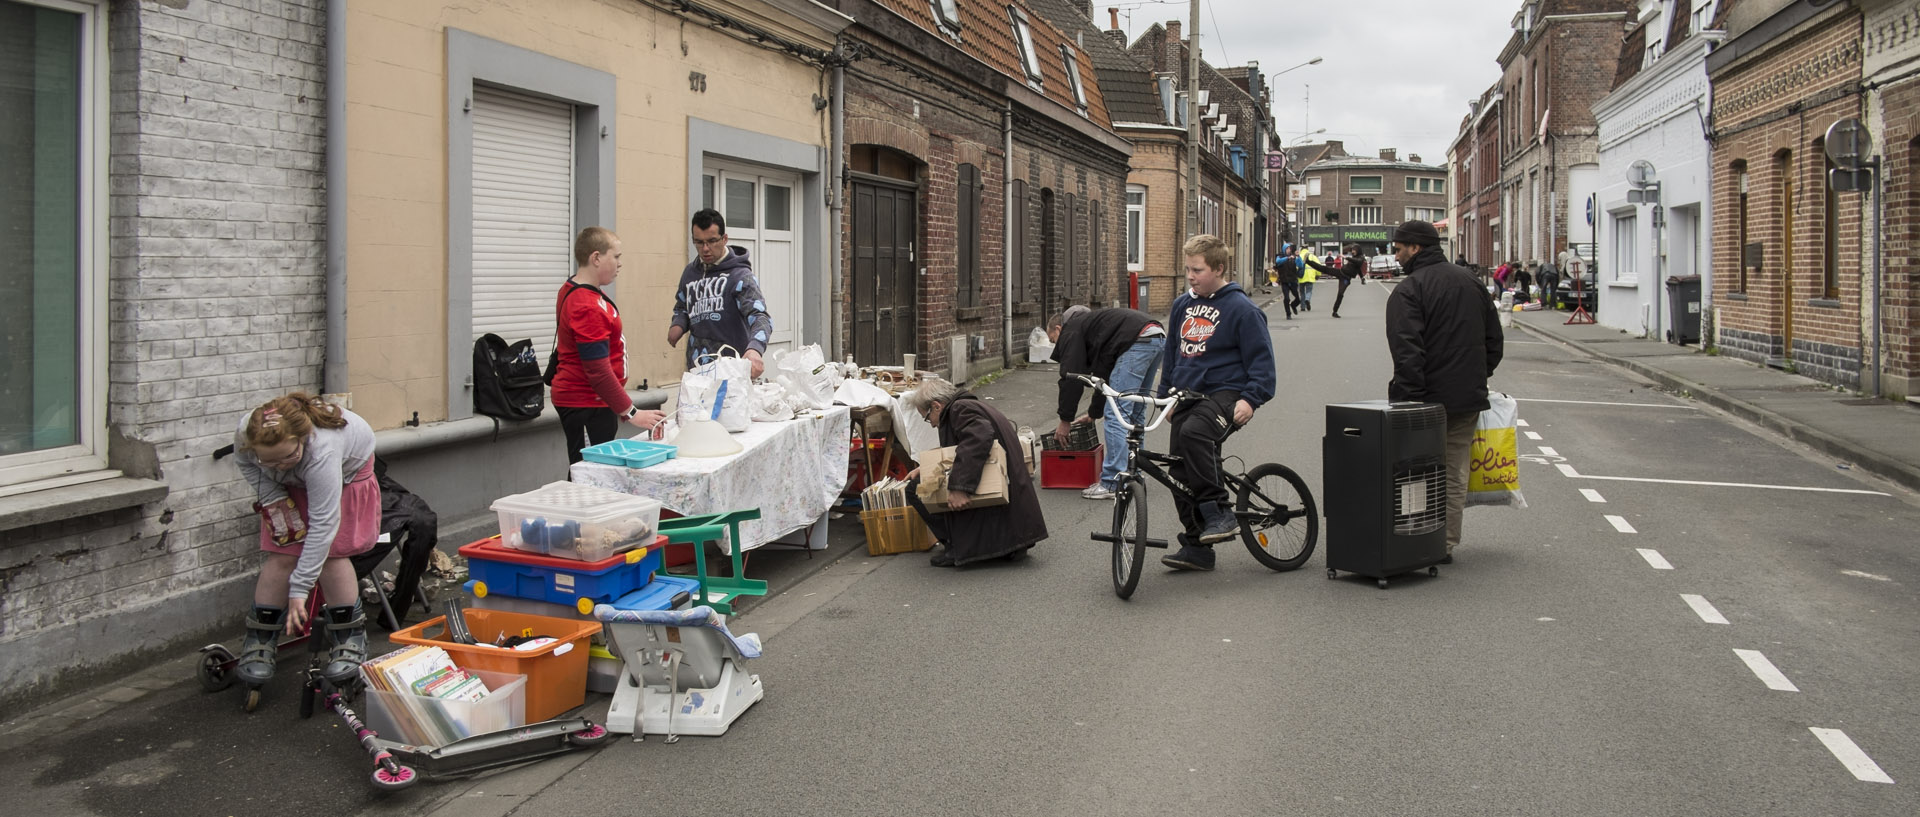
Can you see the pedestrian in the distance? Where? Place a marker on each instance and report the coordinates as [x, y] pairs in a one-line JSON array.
[[975, 534], [1287, 268], [1522, 285], [1310, 269], [1120, 346], [1446, 341]]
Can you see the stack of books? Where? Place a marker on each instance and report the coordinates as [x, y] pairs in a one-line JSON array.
[[886, 493], [427, 695]]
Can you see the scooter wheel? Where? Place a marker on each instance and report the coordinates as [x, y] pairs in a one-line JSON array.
[[394, 779], [591, 736], [215, 668], [253, 699]]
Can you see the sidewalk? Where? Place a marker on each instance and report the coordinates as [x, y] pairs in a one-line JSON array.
[[1878, 436]]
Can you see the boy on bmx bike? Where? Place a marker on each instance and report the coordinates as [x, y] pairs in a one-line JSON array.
[[1222, 350]]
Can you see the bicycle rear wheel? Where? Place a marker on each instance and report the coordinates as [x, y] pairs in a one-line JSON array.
[[1129, 535], [1278, 519]]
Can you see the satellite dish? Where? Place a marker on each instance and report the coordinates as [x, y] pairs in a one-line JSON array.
[[1641, 173]]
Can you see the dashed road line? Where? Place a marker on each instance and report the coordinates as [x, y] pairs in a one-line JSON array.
[[1532, 435], [1654, 559], [1592, 495], [1604, 403], [1549, 451], [1620, 524], [1850, 755], [1766, 671], [1703, 608], [1519, 422]]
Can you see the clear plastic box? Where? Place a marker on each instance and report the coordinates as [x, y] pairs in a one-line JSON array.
[[431, 722], [572, 521]]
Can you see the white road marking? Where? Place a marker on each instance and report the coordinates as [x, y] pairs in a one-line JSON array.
[[1603, 403], [1767, 673], [1546, 451], [1620, 524], [1519, 422], [1850, 755], [1592, 495], [1703, 609], [1654, 559], [1567, 470], [1861, 574], [1532, 435]]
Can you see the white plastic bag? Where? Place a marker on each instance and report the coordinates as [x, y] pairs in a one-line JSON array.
[[1493, 467], [771, 403], [806, 377], [858, 393], [719, 389]]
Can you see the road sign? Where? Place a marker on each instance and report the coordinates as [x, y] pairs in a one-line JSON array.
[[1276, 160], [1848, 143], [1589, 211], [1843, 180]]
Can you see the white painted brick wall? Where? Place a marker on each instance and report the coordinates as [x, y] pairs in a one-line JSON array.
[[216, 299]]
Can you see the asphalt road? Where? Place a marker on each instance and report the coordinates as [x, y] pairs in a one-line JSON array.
[[1554, 669]]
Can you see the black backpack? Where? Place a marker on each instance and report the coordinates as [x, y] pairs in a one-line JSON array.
[[506, 379]]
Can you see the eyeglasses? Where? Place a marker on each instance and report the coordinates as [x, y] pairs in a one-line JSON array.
[[710, 243], [299, 449]]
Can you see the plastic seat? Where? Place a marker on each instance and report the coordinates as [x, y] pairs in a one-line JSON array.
[[682, 671]]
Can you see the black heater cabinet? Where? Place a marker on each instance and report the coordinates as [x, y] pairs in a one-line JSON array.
[[1385, 493]]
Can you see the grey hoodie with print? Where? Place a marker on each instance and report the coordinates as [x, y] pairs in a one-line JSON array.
[[721, 305]]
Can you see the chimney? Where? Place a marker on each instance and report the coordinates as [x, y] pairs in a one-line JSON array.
[[1335, 147], [1173, 31], [1414, 158], [1390, 154], [1113, 19]]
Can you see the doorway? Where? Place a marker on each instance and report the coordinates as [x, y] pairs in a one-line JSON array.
[[885, 292], [760, 207]]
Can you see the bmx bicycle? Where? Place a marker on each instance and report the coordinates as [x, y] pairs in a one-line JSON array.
[[1279, 522]]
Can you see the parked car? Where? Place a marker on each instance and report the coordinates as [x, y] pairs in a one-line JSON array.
[[1382, 266], [1564, 296]]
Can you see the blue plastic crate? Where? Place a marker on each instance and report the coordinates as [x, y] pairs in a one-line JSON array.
[[630, 453], [659, 593], [502, 571]]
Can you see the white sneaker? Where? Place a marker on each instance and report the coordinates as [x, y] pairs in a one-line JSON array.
[[1096, 491]]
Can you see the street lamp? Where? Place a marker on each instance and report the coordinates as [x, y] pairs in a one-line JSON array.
[[1304, 137]]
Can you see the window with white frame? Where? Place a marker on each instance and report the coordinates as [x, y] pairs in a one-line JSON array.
[[1313, 185], [52, 267], [1313, 217], [1364, 184], [1023, 34], [1136, 228], [1423, 185], [1426, 213], [1363, 214], [1626, 246], [1073, 78], [948, 13], [1209, 215]]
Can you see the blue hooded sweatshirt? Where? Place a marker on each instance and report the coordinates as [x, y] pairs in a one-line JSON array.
[[1219, 342]]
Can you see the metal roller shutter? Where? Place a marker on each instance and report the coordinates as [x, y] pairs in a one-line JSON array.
[[522, 213]]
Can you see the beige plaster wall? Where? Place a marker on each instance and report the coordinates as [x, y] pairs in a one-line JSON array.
[[397, 168]]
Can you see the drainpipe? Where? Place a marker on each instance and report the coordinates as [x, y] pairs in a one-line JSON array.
[[836, 204], [333, 377], [1006, 230]]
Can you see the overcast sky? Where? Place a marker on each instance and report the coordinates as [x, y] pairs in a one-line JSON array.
[[1395, 73]]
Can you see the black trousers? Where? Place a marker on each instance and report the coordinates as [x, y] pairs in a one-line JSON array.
[[586, 426], [1290, 296], [1198, 428], [1341, 295]]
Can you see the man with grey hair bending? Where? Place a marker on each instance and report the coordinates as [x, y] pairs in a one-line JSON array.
[[973, 534]]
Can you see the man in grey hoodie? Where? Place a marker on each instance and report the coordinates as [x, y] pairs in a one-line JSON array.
[[718, 301]]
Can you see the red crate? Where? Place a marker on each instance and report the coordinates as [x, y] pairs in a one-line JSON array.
[[1071, 469]]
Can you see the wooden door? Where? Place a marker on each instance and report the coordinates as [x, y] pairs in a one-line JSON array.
[[885, 293]]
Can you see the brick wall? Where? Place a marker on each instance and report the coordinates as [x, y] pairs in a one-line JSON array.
[[1575, 61], [1155, 166], [1900, 240], [1769, 112], [215, 303]]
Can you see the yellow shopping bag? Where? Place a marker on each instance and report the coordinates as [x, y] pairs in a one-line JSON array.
[[1493, 467]]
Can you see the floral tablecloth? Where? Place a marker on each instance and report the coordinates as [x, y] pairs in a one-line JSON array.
[[792, 471]]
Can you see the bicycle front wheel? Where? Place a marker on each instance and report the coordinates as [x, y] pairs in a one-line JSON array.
[[1278, 519], [1129, 535]]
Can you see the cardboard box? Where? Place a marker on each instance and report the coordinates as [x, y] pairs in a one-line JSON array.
[[934, 466]]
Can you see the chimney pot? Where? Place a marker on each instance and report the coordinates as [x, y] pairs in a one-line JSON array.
[[1113, 17], [1414, 158]]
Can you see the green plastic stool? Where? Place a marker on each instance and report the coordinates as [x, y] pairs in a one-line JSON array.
[[698, 531]]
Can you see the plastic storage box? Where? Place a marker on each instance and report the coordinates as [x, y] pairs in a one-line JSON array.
[[1071, 469], [630, 453], [566, 582], [659, 593], [556, 672], [576, 521], [395, 714]]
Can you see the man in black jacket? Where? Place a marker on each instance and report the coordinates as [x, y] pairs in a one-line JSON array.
[[1446, 341], [1120, 346]]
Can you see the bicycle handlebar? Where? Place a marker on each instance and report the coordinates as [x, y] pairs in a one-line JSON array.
[[1165, 404]]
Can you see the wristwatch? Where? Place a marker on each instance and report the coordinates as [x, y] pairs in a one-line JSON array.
[[631, 412]]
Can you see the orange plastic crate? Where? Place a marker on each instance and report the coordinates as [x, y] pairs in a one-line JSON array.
[[556, 673]]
